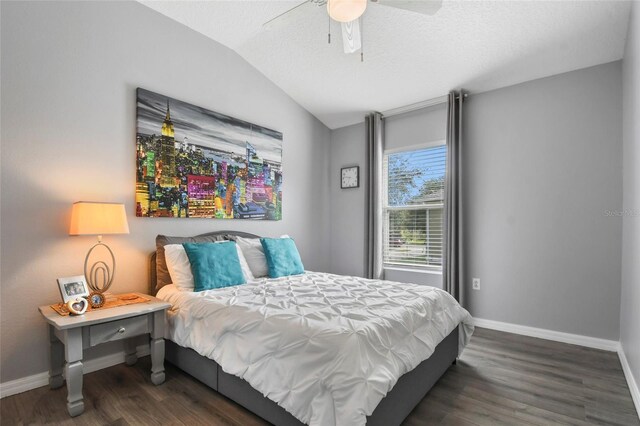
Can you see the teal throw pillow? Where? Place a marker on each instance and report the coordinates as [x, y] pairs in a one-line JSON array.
[[214, 265], [282, 256]]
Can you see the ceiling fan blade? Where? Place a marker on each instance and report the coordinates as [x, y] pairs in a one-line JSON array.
[[351, 39], [425, 7], [286, 16]]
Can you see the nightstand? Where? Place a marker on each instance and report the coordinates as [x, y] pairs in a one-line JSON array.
[[70, 335]]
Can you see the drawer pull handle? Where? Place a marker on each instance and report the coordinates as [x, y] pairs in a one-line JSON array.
[[121, 330]]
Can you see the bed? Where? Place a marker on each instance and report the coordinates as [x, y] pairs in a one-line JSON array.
[[357, 367]]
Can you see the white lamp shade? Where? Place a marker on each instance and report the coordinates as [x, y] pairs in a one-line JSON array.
[[91, 218], [346, 10]]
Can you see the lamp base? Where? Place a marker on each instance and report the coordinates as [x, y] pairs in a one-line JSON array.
[[100, 275]]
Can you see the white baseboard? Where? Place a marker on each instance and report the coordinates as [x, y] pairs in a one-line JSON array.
[[42, 379], [24, 384], [631, 381], [556, 336]]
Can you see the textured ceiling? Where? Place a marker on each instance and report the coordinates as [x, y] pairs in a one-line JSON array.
[[476, 45]]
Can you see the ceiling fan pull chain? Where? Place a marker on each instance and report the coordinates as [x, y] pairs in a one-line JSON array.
[[361, 39], [329, 30]]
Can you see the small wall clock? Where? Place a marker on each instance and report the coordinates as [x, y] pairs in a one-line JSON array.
[[350, 177]]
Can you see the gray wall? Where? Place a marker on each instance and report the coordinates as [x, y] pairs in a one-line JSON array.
[[415, 128], [348, 213], [69, 74], [542, 165], [630, 308]]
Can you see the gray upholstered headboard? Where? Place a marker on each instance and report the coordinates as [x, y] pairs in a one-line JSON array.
[[161, 240]]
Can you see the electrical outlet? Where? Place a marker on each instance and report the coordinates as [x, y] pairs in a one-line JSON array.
[[476, 283]]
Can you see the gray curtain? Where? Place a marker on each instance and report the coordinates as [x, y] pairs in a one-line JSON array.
[[452, 250], [375, 149]]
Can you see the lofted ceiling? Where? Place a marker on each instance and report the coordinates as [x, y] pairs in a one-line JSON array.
[[408, 58]]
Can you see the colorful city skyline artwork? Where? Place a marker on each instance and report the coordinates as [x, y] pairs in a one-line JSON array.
[[193, 162]]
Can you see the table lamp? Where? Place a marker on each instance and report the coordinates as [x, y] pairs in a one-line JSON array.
[[94, 218]]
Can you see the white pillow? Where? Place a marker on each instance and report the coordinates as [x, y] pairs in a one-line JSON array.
[[254, 253], [180, 268], [246, 271]]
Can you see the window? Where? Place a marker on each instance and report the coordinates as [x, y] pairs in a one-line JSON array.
[[413, 207]]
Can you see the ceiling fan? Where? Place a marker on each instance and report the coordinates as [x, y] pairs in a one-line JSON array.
[[349, 12]]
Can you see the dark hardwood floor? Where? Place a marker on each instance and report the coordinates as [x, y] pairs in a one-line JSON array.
[[501, 379]]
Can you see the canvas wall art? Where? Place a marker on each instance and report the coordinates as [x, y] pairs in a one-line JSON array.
[[193, 162]]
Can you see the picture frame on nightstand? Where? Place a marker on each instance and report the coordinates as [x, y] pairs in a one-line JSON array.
[[72, 288]]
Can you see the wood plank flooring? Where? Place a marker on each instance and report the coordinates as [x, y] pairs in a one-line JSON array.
[[501, 379]]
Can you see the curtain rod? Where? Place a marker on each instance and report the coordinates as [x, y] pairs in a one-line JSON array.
[[418, 105]]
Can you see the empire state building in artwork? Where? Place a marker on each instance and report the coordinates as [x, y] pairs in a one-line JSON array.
[[193, 162], [167, 153]]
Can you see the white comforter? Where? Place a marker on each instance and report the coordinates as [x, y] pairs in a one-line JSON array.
[[325, 347]]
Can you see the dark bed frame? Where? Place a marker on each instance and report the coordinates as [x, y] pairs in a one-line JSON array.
[[392, 409]]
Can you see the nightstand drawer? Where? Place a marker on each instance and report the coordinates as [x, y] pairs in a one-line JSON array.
[[116, 330]]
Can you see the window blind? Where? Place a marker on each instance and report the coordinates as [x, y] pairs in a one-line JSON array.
[[413, 207]]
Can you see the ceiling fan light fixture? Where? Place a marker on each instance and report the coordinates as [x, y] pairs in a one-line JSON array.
[[346, 10]]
